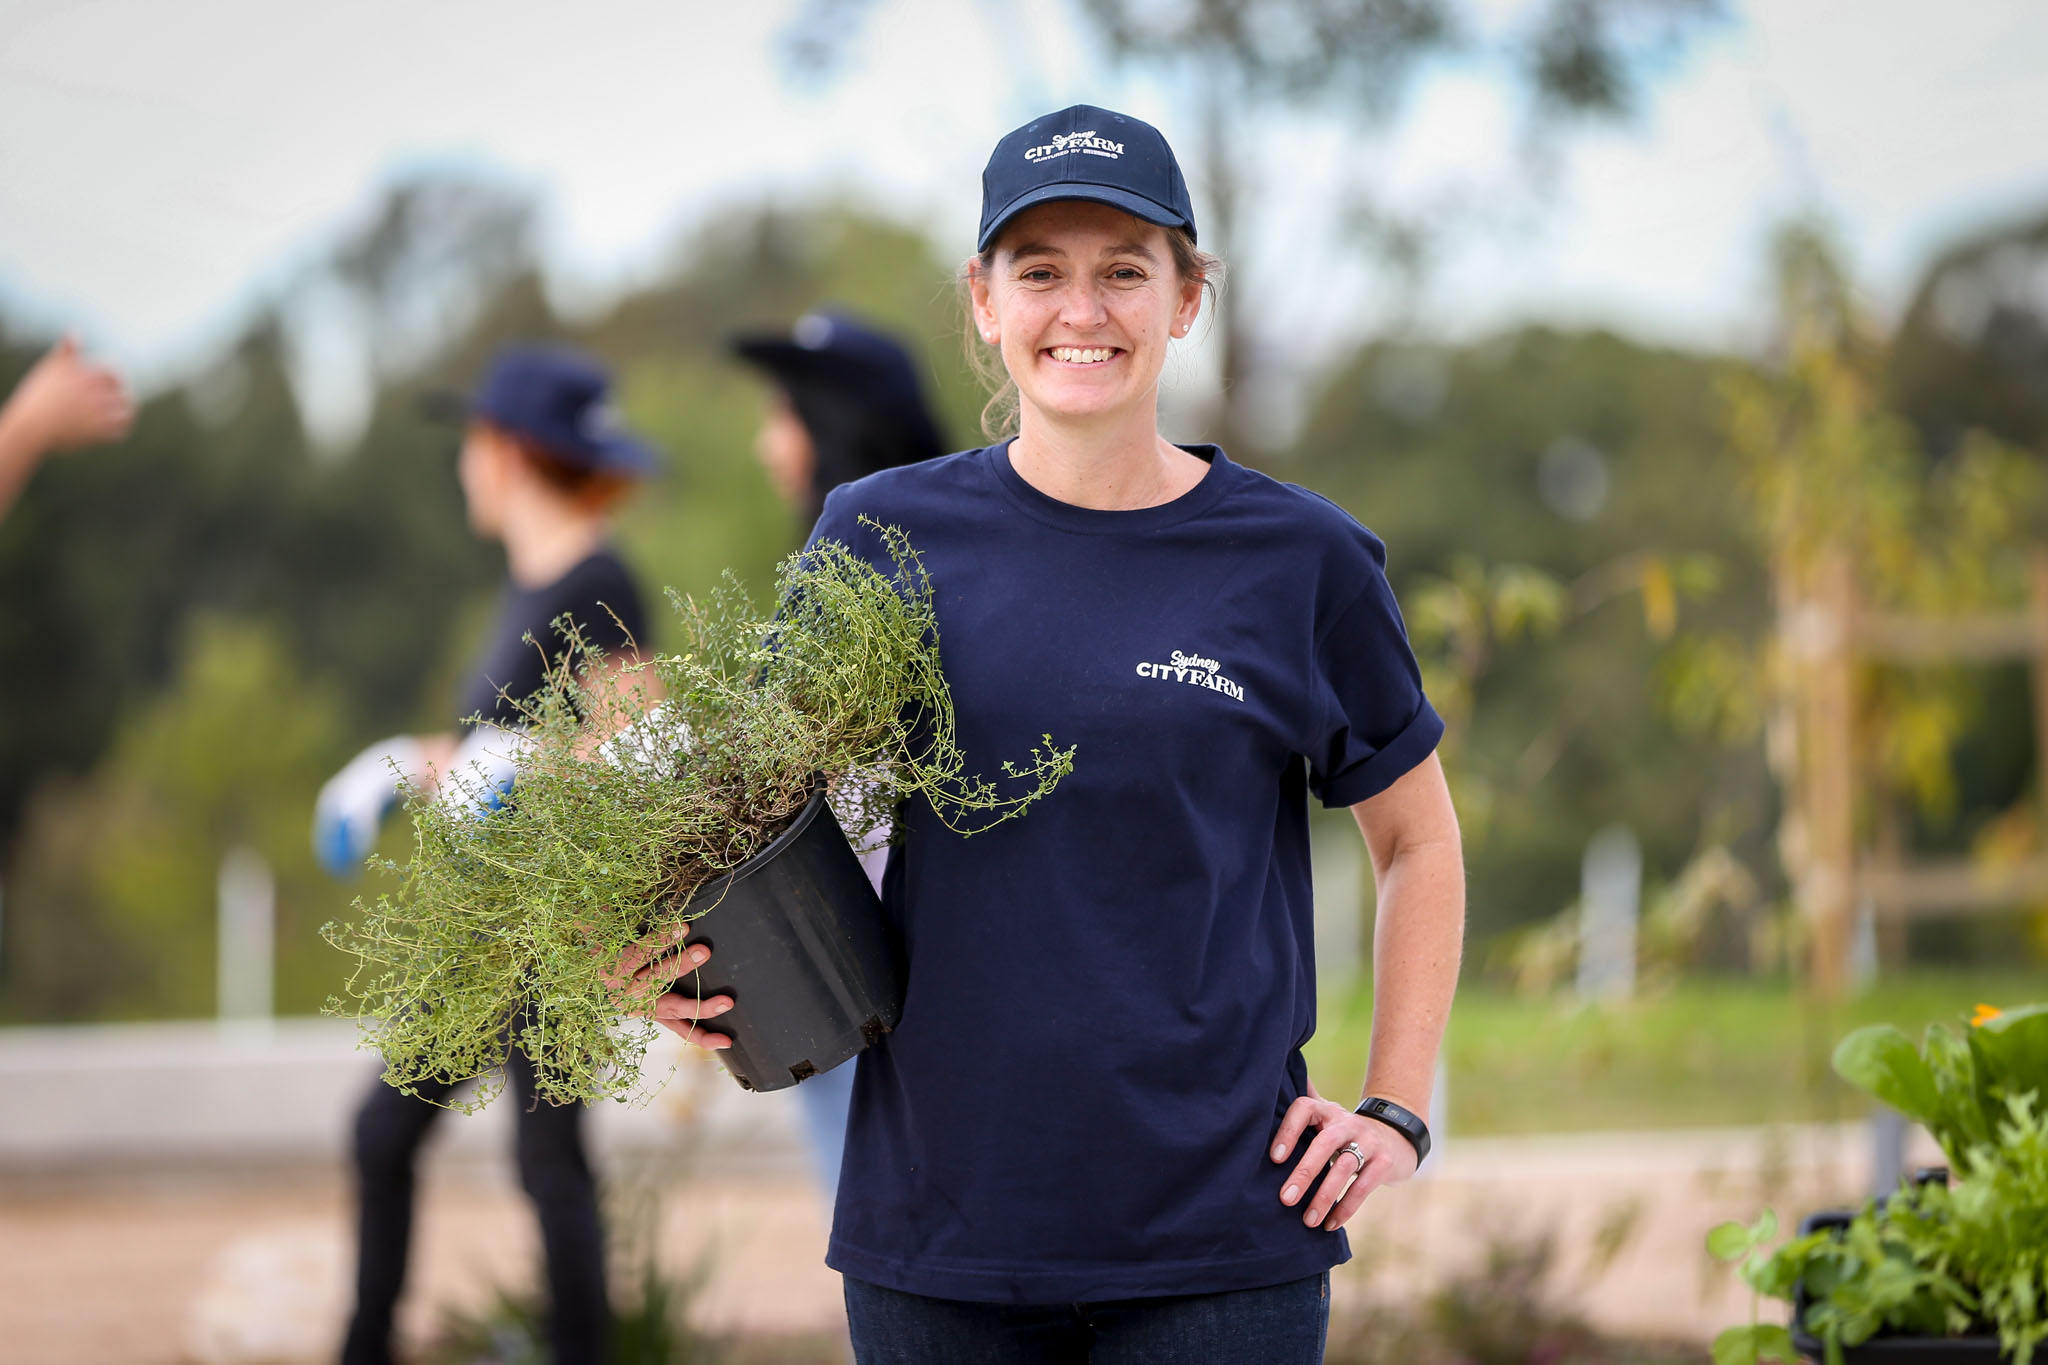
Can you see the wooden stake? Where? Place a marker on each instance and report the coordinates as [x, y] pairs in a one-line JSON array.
[[2037, 612], [1829, 893]]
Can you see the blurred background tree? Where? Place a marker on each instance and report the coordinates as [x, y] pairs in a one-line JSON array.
[[1247, 67], [229, 560], [1859, 524], [1972, 348], [116, 875], [1584, 461]]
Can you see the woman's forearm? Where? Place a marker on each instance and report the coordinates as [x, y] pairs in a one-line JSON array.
[[1418, 938]]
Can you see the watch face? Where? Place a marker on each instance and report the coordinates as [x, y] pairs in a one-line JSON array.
[[1400, 1120]]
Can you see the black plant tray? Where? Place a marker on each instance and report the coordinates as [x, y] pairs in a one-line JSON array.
[[799, 941], [1980, 1350]]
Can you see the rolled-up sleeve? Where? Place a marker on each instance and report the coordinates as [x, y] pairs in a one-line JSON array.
[[1374, 724]]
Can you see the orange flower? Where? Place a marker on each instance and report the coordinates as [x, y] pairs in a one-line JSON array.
[[1984, 1015]]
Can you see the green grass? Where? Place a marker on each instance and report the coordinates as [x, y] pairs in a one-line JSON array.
[[1699, 1054]]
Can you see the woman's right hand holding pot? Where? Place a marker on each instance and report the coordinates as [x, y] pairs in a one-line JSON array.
[[639, 975]]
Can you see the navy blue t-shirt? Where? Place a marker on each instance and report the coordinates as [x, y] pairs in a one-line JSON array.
[[597, 593], [1106, 999]]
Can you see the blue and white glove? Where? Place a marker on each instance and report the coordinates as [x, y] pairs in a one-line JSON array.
[[481, 774], [355, 801], [655, 744]]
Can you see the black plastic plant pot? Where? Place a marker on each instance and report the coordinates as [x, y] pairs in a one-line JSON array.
[[798, 940], [1974, 1350]]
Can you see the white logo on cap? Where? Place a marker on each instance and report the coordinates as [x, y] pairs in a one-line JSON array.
[[598, 421], [1065, 144], [812, 331]]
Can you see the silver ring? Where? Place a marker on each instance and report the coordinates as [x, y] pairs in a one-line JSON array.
[[1354, 1151]]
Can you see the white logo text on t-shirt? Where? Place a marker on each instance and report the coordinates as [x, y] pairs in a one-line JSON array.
[[1195, 671]]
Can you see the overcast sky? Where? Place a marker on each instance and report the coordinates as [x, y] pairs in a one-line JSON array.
[[161, 160]]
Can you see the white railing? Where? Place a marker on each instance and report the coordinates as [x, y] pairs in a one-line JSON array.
[[178, 1093]]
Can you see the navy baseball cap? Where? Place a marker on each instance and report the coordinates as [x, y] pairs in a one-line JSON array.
[[556, 398], [831, 349], [1083, 152], [856, 390]]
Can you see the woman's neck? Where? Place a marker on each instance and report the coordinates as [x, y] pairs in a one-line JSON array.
[[542, 544], [1107, 468]]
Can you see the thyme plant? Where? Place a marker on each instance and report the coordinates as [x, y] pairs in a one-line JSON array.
[[636, 786]]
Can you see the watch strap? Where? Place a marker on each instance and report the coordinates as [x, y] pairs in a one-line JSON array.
[[1401, 1120]]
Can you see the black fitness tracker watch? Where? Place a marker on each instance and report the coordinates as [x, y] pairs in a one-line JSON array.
[[1400, 1120]]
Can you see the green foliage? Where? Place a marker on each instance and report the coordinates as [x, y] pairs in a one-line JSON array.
[[1932, 1259], [1884, 1062], [512, 925], [1957, 1088], [1757, 1342], [1539, 622], [1732, 1241], [113, 910], [1968, 352], [1705, 1052], [650, 1326], [1458, 619], [713, 510], [1825, 469], [650, 1322]]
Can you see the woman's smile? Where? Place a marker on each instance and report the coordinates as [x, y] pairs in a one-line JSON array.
[[1082, 356]]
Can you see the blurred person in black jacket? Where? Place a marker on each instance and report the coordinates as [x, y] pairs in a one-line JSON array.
[[543, 466]]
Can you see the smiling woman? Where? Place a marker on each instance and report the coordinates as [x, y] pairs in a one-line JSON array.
[[1092, 1136]]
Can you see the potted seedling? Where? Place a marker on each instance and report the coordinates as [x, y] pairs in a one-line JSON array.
[[719, 787], [1952, 1268]]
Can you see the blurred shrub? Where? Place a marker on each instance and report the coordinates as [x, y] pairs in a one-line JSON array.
[[1507, 1308], [1552, 502], [113, 909]]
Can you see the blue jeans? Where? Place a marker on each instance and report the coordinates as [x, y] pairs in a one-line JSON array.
[[1283, 1324]]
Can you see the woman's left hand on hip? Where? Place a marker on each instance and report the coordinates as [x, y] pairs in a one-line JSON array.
[[1349, 1157]]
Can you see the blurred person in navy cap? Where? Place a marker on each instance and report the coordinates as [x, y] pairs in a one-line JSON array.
[[846, 402], [543, 466]]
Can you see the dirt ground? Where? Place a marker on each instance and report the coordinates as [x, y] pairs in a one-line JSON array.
[[241, 1266], [203, 1270]]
